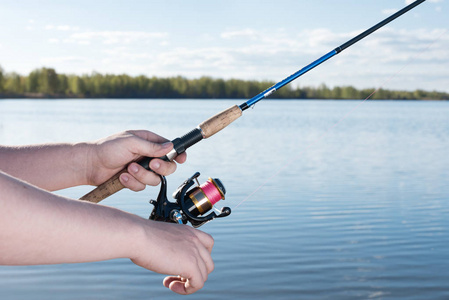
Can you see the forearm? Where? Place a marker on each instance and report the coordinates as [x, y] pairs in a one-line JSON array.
[[38, 227], [48, 166]]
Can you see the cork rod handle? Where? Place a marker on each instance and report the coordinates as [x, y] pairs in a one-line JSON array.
[[221, 120]]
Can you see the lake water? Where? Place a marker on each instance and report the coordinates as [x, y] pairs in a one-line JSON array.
[[359, 210]]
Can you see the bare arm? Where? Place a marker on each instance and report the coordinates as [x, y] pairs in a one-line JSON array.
[[49, 166], [38, 227], [58, 166]]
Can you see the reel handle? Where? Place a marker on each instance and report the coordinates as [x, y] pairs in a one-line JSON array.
[[206, 129]]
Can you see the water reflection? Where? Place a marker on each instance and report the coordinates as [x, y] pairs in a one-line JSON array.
[[361, 213]]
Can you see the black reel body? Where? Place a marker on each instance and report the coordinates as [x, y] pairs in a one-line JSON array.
[[192, 204]]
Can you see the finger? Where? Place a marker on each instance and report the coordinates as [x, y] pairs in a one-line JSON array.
[[154, 144], [178, 287], [142, 147], [199, 263], [168, 280], [206, 239], [192, 285], [131, 183], [181, 158], [149, 136], [205, 252], [186, 286], [142, 175], [176, 284], [204, 270], [150, 149], [154, 138], [162, 167], [207, 262]]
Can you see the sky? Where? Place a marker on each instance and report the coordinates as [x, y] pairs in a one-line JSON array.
[[251, 40]]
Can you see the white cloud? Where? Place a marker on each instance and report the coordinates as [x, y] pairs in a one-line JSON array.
[[268, 56], [62, 59], [244, 33], [61, 27], [126, 53], [389, 11], [30, 25], [115, 37], [66, 28]]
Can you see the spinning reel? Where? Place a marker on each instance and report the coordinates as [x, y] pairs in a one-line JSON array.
[[192, 204]]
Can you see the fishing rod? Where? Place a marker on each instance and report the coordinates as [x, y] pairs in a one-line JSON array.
[[192, 204]]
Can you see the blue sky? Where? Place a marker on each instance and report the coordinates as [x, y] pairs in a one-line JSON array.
[[262, 40]]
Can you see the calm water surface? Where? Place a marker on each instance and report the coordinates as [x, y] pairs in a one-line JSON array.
[[355, 211]]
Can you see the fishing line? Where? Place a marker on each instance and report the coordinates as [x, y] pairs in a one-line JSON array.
[[330, 128], [213, 194]]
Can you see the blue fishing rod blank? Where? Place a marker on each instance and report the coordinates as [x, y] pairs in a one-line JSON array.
[[327, 56]]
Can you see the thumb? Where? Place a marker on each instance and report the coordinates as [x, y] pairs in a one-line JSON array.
[[143, 147]]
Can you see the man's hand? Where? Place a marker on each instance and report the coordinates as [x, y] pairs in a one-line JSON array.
[[176, 249], [110, 155]]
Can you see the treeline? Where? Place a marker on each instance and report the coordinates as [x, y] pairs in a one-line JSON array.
[[47, 83]]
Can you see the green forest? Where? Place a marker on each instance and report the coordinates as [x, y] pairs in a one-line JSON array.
[[47, 83]]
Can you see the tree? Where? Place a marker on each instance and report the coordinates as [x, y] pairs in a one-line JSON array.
[[76, 86], [336, 92], [48, 81], [13, 84], [2, 79], [63, 84], [349, 92], [32, 82]]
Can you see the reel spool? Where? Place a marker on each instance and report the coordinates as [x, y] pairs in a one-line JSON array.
[[192, 204]]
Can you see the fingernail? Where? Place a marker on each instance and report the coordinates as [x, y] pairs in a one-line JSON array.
[[134, 169], [156, 165], [125, 178]]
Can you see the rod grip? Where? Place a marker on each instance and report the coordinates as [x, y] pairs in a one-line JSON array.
[[216, 123], [113, 184], [106, 189]]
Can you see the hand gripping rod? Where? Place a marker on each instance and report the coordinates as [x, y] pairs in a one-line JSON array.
[[203, 131]]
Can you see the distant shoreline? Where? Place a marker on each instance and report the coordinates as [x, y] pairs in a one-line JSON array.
[[208, 99], [46, 83]]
